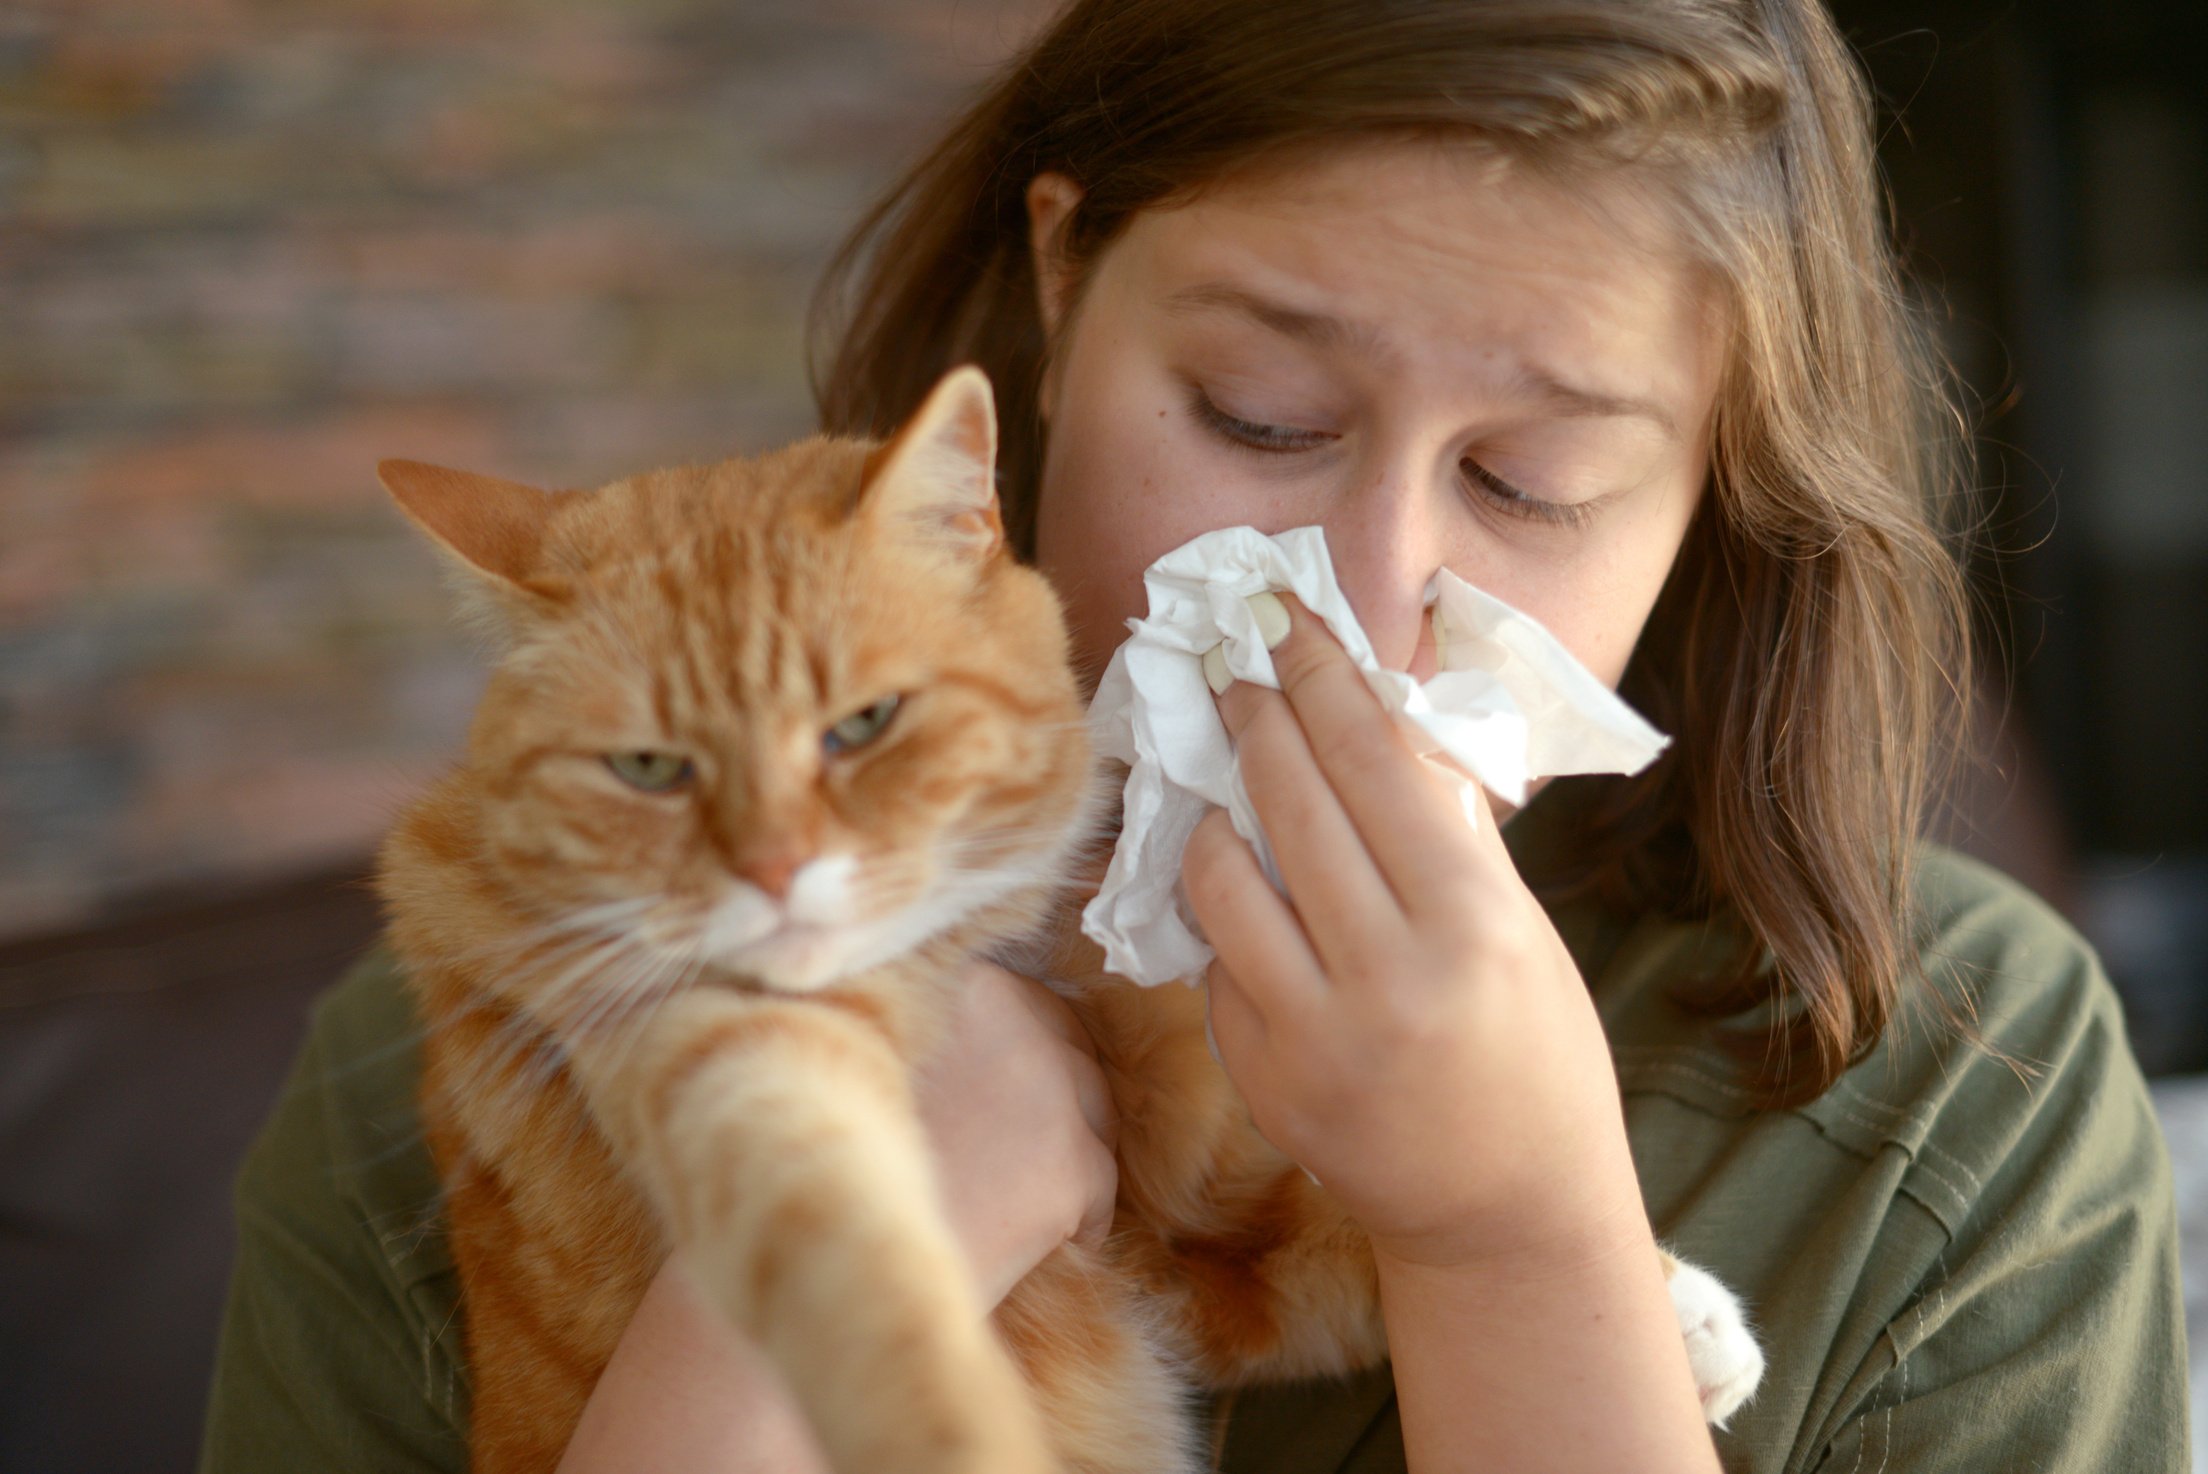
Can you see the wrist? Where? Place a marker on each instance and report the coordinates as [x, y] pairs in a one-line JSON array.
[[1530, 1257], [1497, 1359], [686, 1390], [1581, 1217]]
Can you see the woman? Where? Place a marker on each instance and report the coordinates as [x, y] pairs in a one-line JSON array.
[[1590, 303]]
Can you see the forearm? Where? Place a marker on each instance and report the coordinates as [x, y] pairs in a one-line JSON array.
[[686, 1392], [1575, 1363]]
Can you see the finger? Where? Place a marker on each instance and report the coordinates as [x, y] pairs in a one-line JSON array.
[[1045, 1006], [1103, 1198], [1248, 924], [1093, 1093], [1056, 1015], [1419, 844], [1236, 1025], [1249, 1049], [1484, 829], [1347, 906]]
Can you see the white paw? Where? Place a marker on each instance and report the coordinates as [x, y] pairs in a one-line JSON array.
[[1723, 1352]]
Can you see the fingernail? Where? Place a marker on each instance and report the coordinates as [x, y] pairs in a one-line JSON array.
[[1272, 618], [1211, 1041], [1216, 674]]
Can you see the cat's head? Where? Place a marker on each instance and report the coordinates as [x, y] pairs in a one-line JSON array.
[[784, 717]]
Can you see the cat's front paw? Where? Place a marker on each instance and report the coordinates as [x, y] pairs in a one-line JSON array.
[[1721, 1349]]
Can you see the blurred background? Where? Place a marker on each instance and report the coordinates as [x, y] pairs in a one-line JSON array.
[[247, 249]]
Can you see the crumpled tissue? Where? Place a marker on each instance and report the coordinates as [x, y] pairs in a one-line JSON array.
[[1508, 705]]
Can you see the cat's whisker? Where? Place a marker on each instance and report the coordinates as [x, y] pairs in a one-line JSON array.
[[518, 1036], [613, 996], [531, 1026], [562, 940], [633, 1016], [603, 983], [558, 933], [556, 975], [646, 963], [631, 1009]]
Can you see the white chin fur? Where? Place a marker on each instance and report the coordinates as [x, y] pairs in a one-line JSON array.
[[797, 960], [801, 958]]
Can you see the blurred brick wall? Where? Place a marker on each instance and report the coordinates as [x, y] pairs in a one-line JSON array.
[[246, 250]]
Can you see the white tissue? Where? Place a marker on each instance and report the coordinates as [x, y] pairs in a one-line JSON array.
[[1509, 705]]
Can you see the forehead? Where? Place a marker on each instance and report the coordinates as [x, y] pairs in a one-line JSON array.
[[1441, 257]]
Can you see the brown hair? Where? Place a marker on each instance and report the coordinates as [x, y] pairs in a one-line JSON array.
[[1810, 645]]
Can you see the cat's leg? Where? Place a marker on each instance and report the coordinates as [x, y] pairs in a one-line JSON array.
[[778, 1142], [1090, 1345], [1721, 1349]]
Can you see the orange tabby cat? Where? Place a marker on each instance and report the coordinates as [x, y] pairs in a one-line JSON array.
[[772, 747]]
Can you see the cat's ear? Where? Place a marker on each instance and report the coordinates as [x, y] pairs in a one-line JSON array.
[[489, 531], [491, 526], [938, 475]]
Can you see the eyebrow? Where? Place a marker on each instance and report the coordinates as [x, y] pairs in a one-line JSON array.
[[1321, 331]]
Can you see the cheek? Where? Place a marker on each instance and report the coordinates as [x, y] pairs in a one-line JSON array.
[[1617, 585], [1125, 481], [1107, 511]]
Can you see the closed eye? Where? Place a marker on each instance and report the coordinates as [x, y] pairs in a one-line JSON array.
[[1287, 439], [1512, 502], [1273, 439]]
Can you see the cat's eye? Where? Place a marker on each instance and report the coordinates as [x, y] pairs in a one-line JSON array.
[[859, 728], [653, 772]]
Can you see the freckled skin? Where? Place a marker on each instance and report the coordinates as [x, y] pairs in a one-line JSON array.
[[1466, 272]]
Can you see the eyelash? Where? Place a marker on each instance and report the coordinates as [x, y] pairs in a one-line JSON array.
[[1280, 440]]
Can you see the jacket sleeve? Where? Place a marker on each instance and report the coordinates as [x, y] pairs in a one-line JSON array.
[[331, 1355], [2050, 1333]]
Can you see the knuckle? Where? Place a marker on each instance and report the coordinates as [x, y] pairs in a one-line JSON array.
[[1357, 745], [1288, 1128], [1234, 706], [1300, 662], [1405, 1017], [1058, 1016], [1208, 882]]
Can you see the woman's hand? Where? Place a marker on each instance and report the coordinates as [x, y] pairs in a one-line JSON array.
[[1022, 1122], [1406, 1025], [1409, 1027]]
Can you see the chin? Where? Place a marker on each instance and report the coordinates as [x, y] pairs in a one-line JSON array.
[[800, 959], [807, 958]]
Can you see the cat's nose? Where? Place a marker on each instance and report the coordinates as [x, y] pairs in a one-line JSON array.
[[772, 870]]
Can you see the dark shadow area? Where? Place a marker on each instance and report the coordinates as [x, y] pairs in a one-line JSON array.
[[2049, 168], [136, 1061]]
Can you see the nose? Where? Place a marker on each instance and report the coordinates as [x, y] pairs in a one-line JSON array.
[[1386, 541], [773, 869]]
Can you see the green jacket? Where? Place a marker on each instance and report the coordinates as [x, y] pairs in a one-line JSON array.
[[1951, 1268]]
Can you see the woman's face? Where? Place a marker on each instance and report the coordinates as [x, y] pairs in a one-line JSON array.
[[1442, 362]]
